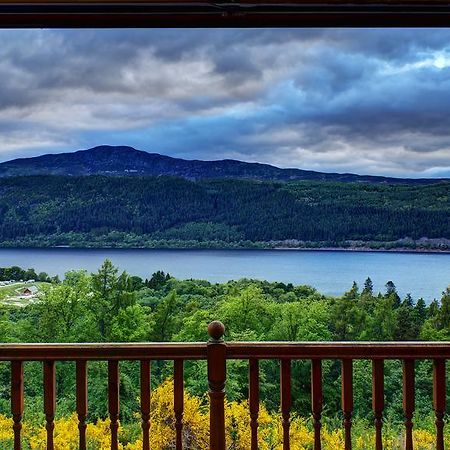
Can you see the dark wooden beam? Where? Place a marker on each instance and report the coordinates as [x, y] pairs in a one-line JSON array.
[[201, 13]]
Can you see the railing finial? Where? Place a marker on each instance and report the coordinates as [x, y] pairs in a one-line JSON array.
[[216, 330]]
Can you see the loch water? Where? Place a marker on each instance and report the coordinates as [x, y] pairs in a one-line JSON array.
[[423, 275]]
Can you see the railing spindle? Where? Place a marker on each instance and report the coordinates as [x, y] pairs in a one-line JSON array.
[[17, 401], [439, 400], [114, 402], [286, 400], [347, 400], [378, 400], [408, 400], [49, 400], [316, 400], [145, 403], [178, 397], [82, 401], [254, 401]]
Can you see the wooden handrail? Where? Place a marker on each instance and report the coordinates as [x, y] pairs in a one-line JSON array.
[[338, 350], [103, 352], [216, 352], [234, 350]]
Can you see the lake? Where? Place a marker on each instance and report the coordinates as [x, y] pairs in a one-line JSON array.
[[331, 272]]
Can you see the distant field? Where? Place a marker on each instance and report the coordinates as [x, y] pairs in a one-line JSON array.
[[10, 295]]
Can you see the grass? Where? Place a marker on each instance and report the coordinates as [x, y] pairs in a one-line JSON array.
[[9, 295]]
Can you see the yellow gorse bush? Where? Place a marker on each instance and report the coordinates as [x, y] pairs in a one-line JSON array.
[[196, 430]]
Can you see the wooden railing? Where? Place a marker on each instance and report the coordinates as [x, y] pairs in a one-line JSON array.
[[216, 352]]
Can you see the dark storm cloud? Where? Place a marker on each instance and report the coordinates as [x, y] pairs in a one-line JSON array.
[[375, 101]]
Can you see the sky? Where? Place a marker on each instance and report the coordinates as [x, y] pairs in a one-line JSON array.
[[369, 101]]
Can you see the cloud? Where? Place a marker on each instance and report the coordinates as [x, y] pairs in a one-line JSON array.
[[368, 101]]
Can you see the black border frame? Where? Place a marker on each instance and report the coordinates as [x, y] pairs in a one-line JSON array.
[[222, 13]]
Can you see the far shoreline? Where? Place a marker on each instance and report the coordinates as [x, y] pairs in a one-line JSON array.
[[200, 248], [365, 250]]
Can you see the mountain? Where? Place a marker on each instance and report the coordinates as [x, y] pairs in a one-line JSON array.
[[122, 160]]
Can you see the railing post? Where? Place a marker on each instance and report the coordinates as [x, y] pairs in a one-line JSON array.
[[439, 400], [178, 401], [82, 401], [316, 400], [253, 400], [113, 402], [408, 401], [286, 401], [216, 354], [145, 402], [378, 400], [17, 403], [347, 400]]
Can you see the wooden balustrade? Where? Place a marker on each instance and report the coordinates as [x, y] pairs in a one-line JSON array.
[[216, 352]]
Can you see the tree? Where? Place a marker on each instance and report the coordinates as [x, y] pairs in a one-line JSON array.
[[444, 313], [157, 280], [131, 324], [391, 292], [6, 327], [382, 322], [347, 316], [353, 293], [194, 327], [301, 321], [61, 307], [368, 287], [166, 318], [287, 321], [246, 310], [43, 276], [407, 327], [111, 292]]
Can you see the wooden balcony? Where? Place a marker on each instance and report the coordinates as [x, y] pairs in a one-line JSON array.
[[216, 352]]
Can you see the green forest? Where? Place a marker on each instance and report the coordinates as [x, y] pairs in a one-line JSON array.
[[102, 211], [112, 306]]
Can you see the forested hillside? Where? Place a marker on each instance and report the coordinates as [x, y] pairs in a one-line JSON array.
[[152, 211]]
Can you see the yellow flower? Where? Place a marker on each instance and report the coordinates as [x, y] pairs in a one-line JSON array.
[[196, 430]]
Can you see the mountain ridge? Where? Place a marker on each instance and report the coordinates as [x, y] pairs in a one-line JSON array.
[[128, 161]]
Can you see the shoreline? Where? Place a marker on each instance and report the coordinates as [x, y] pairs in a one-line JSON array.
[[365, 249], [278, 248]]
